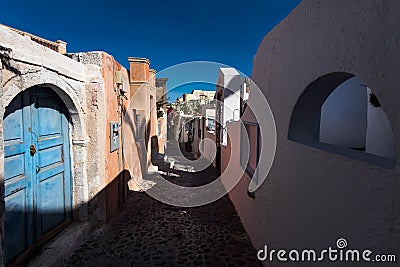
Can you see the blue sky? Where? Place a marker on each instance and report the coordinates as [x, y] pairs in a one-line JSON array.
[[166, 32]]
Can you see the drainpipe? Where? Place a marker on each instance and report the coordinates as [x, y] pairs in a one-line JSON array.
[[121, 147], [120, 102]]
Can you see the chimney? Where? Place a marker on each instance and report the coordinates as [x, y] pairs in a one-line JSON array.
[[138, 73], [139, 69], [62, 47], [152, 78]]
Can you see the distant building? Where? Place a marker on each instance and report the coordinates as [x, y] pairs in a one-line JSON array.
[[199, 95], [208, 113], [161, 85], [162, 127], [190, 106], [150, 128]]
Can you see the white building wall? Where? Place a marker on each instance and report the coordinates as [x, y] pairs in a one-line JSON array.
[[344, 116], [230, 81], [208, 146], [379, 137], [312, 197]]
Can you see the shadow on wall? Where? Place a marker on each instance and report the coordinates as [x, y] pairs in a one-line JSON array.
[[339, 114], [37, 174], [141, 134], [101, 209], [138, 130], [154, 146]]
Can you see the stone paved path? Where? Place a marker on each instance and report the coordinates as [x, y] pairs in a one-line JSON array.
[[150, 233]]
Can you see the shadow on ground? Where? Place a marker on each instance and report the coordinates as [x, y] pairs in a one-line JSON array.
[[151, 233]]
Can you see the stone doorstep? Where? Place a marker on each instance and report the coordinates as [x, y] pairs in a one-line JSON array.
[[58, 249], [152, 169]]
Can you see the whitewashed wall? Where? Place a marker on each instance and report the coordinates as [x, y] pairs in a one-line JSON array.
[[344, 115], [379, 136], [312, 197]]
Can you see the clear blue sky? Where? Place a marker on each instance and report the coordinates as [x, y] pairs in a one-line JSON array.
[[166, 32]]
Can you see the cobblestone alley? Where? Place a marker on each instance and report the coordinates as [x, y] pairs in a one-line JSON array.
[[151, 233]]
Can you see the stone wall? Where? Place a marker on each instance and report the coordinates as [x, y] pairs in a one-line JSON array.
[[88, 89]]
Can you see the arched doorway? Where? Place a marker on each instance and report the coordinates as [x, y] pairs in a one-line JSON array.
[[37, 170]]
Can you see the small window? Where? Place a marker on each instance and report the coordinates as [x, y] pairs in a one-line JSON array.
[[138, 136], [210, 124], [138, 126]]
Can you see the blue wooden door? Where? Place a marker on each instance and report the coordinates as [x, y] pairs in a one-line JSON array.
[[37, 168]]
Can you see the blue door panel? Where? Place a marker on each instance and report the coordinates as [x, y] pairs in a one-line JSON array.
[[49, 117], [51, 141], [38, 186], [11, 148], [13, 165], [53, 185], [46, 172], [16, 184], [17, 171], [14, 125], [51, 202], [16, 215], [50, 156]]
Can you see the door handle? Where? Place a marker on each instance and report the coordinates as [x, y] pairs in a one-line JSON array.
[[37, 168], [32, 150]]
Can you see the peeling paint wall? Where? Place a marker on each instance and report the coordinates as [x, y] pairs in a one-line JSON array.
[[110, 105], [30, 64], [85, 82]]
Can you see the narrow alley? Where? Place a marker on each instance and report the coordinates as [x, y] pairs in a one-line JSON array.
[[242, 133], [150, 233]]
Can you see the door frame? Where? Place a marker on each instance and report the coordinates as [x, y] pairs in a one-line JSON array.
[[78, 138], [31, 126]]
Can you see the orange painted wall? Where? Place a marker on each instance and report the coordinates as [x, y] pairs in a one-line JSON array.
[[139, 71], [120, 166], [108, 69]]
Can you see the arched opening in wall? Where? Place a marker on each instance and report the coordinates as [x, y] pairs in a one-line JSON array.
[[340, 114], [37, 169]]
